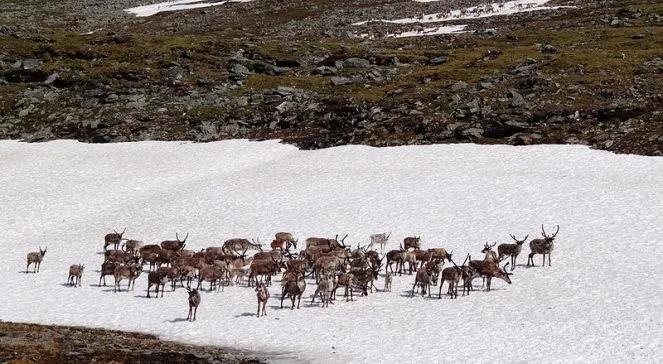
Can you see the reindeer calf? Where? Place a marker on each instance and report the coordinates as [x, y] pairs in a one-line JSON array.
[[75, 274], [35, 258], [194, 301], [263, 296]]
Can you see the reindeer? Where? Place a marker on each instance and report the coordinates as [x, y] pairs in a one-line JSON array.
[[129, 271], [211, 274], [490, 254], [422, 279], [490, 269], [284, 241], [113, 238], [387, 282], [238, 244], [117, 256], [348, 281], [174, 245], [265, 268], [451, 275], [294, 289], [542, 246], [75, 275], [511, 250], [331, 243], [35, 258], [263, 296], [398, 257], [194, 302], [410, 257], [132, 246], [325, 286], [107, 269], [158, 279], [379, 239], [440, 254], [413, 242]]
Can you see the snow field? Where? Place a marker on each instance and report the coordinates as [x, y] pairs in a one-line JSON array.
[[598, 302]]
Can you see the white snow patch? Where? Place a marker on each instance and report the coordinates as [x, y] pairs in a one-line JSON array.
[[600, 301], [474, 12], [149, 10], [451, 29]]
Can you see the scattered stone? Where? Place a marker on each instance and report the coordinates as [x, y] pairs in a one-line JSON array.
[[438, 60], [356, 63]]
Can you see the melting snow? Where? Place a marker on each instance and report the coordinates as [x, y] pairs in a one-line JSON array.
[[600, 301], [474, 12], [149, 10]]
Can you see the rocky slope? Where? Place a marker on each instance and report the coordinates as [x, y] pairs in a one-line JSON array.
[[299, 71], [28, 343]]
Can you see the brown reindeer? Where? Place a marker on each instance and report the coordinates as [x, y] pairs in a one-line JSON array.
[[130, 271], [489, 270], [542, 246], [413, 242], [158, 279], [348, 281], [194, 302], [75, 275], [263, 296], [174, 245], [284, 241], [440, 254], [451, 275], [398, 257], [294, 289], [113, 238], [511, 250], [35, 258], [132, 246]]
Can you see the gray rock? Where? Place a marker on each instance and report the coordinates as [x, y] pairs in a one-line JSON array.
[[549, 49], [325, 71], [460, 85], [28, 64], [356, 63], [239, 69], [281, 70], [517, 100], [54, 76], [340, 81], [438, 60]]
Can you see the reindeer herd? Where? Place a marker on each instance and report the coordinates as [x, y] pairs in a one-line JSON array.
[[330, 262]]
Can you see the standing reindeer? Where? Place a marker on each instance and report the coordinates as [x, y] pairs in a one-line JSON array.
[[379, 239], [413, 242], [35, 258], [387, 282], [194, 301], [542, 246], [263, 297], [174, 245], [512, 250], [75, 274], [113, 238]]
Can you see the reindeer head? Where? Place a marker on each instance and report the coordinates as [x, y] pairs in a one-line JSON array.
[[503, 274], [42, 252], [192, 292], [181, 242], [119, 235], [549, 239], [256, 244], [450, 255], [81, 267], [487, 248], [519, 242]]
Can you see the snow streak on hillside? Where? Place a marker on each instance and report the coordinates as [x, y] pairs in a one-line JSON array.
[[149, 10], [600, 301]]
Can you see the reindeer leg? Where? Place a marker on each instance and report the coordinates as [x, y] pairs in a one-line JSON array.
[[299, 300], [549, 259]]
